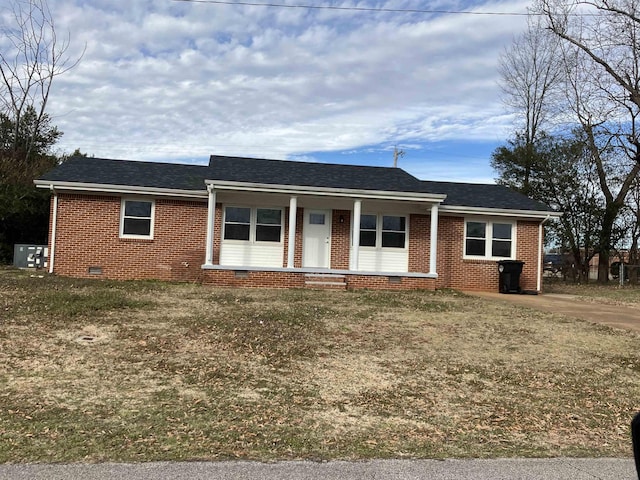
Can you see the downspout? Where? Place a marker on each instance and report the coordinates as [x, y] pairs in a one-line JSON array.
[[54, 223], [540, 248]]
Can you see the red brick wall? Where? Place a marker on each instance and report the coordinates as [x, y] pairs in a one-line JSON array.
[[340, 239], [297, 254], [239, 279], [87, 235], [381, 282], [229, 278], [217, 234], [527, 251], [456, 272], [419, 243]]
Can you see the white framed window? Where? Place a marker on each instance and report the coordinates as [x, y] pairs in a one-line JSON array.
[[383, 231], [316, 218], [252, 224], [137, 218], [237, 223], [489, 239]]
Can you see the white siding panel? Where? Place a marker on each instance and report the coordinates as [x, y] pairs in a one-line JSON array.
[[391, 260], [252, 255]]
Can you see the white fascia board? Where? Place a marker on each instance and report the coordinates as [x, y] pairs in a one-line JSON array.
[[120, 189], [499, 212], [325, 191]]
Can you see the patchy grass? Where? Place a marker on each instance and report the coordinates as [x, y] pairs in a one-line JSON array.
[[594, 292], [138, 371]]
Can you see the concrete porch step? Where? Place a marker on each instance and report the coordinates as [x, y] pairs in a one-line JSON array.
[[325, 280]]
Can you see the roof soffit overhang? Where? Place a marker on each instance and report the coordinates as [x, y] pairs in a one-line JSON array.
[[326, 191], [119, 189], [499, 212]]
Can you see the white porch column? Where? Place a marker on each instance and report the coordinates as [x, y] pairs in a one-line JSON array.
[[355, 242], [291, 251], [433, 248], [211, 218]]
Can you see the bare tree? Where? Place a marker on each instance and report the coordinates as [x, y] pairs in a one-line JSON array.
[[630, 220], [31, 56], [530, 72], [600, 50]]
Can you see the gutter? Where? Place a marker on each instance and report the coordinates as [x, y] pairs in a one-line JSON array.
[[326, 191], [499, 212], [120, 189], [54, 222]]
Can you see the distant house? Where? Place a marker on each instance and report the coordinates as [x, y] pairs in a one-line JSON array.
[[271, 223]]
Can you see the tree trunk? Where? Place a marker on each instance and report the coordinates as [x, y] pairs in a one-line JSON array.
[[604, 245], [603, 267], [633, 262]]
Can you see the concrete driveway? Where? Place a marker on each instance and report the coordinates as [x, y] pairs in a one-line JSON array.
[[616, 316]]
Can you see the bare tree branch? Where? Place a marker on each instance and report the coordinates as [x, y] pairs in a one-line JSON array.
[[530, 72], [28, 67], [601, 56]]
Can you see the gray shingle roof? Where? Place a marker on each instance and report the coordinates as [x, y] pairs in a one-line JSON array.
[[282, 172], [483, 196], [103, 171], [174, 176]]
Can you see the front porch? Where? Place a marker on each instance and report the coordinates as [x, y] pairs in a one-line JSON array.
[[371, 239], [239, 277]]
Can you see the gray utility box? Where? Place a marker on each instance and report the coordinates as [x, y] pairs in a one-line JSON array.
[[30, 256]]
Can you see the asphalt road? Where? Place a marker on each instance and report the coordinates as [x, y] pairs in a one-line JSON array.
[[502, 469]]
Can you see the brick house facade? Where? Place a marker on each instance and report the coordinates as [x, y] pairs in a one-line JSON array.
[[231, 224]]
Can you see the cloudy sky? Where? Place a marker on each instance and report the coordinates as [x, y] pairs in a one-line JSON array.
[[171, 80]]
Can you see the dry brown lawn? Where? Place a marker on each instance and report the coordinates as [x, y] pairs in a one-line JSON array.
[[138, 371], [593, 292]]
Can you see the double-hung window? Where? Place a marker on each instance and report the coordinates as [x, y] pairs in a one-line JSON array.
[[237, 223], [136, 218], [253, 224], [383, 231], [268, 224], [489, 239]]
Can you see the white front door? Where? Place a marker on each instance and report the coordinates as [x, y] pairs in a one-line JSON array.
[[316, 247]]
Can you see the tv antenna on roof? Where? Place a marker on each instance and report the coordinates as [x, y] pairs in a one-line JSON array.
[[397, 154]]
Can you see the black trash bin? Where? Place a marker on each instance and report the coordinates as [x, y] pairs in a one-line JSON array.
[[509, 281]]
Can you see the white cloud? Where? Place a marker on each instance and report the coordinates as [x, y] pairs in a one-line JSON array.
[[169, 80]]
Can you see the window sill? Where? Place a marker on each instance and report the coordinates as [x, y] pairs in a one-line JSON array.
[[249, 242], [136, 239], [486, 259]]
